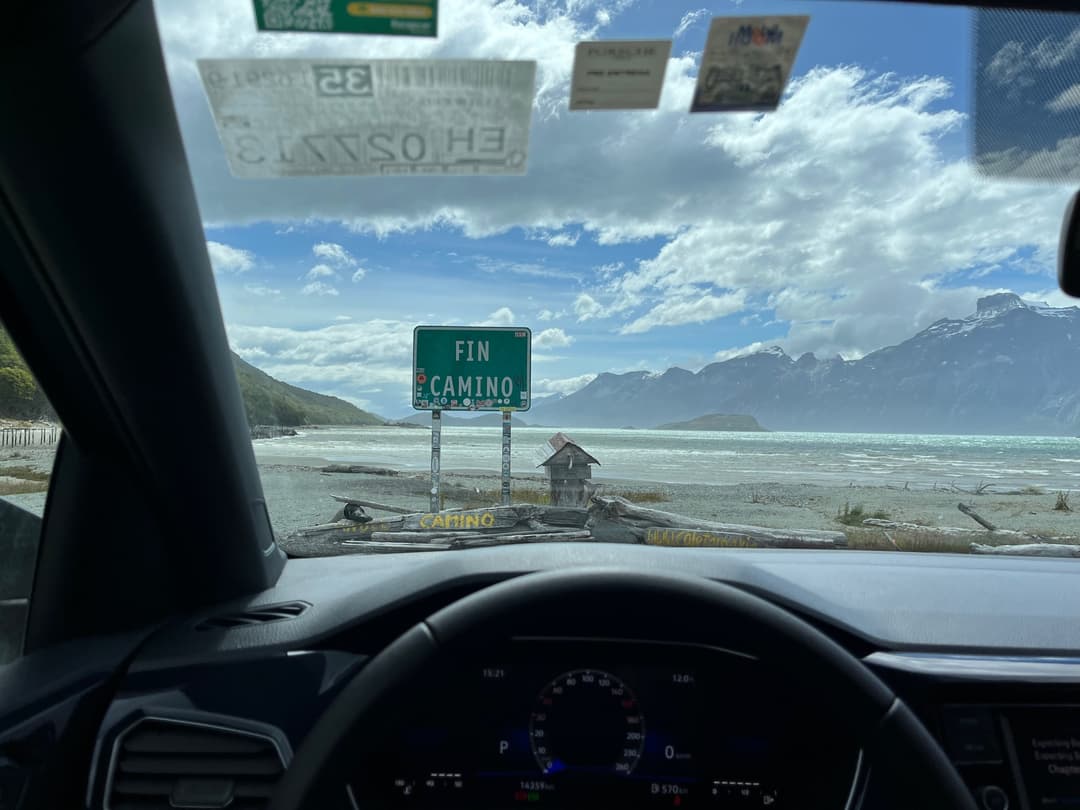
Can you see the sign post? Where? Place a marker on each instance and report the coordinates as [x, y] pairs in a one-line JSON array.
[[471, 368], [436, 452], [506, 458]]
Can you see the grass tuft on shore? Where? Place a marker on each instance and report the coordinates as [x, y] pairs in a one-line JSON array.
[[855, 515]]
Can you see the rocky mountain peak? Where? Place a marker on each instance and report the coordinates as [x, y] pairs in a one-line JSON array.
[[992, 305]]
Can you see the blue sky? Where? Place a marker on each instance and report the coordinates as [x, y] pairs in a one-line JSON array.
[[845, 221]]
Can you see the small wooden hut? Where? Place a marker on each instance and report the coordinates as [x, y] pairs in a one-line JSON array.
[[568, 467]]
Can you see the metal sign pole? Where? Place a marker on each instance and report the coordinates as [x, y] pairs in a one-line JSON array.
[[506, 458], [436, 448]]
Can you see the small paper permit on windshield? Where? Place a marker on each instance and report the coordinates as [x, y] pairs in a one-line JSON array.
[[299, 117], [619, 75], [746, 63], [409, 18]]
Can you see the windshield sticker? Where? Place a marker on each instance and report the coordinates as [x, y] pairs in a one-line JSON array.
[[746, 63], [619, 75], [412, 18], [298, 117]]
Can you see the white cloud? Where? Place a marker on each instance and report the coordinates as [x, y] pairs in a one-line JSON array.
[[1053, 52], [318, 288], [228, 259], [345, 359], [260, 290], [1060, 161], [503, 316], [552, 339], [1066, 100], [678, 311], [564, 385], [334, 253], [358, 274], [842, 205], [1008, 65], [739, 351], [320, 271], [689, 19], [841, 242], [587, 307], [1014, 64], [343, 317], [550, 315], [564, 239], [532, 269]]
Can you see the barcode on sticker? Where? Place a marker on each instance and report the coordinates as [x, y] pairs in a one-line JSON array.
[[447, 76]]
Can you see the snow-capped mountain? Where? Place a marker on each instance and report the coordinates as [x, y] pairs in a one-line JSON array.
[[1011, 367]]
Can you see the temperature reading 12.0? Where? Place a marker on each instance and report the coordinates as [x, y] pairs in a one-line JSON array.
[[682, 678], [587, 721]]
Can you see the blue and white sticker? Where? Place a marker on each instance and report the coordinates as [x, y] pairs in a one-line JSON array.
[[746, 63]]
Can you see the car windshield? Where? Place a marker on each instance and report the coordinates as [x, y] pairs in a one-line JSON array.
[[751, 274]]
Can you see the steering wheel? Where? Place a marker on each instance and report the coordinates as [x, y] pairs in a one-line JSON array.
[[905, 761]]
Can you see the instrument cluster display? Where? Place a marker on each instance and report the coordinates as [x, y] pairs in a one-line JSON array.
[[548, 723]]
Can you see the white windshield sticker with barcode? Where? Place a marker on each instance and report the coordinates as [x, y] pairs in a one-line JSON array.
[[294, 117]]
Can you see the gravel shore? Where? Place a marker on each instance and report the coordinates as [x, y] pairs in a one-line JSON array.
[[298, 496]]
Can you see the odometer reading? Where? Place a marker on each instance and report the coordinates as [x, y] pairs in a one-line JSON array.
[[587, 721]]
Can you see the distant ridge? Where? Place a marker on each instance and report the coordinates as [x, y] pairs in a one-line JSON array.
[[1012, 367], [718, 421]]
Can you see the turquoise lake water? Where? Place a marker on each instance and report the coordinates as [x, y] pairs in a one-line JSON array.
[[695, 457]]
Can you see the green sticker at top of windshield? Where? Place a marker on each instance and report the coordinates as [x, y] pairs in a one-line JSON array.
[[409, 18]]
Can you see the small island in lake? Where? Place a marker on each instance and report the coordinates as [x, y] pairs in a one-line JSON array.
[[718, 421]]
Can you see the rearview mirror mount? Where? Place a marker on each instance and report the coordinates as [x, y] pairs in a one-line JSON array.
[[1069, 249]]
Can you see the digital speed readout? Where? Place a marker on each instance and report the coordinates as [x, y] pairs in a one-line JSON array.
[[587, 721]]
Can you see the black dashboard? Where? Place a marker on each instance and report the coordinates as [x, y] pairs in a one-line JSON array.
[[985, 651]]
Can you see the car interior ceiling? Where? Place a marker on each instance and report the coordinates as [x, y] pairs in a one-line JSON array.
[[112, 327]]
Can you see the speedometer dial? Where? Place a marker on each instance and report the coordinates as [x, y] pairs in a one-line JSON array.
[[587, 721]]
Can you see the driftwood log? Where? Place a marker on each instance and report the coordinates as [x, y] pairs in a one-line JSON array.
[[402, 541], [614, 519], [359, 469], [971, 513], [382, 507], [1029, 550], [473, 527]]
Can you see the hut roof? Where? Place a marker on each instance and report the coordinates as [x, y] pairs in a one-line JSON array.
[[561, 444]]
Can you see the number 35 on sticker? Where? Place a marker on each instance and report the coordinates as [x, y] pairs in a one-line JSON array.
[[343, 80]]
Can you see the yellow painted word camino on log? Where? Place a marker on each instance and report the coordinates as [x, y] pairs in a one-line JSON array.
[[455, 521], [698, 539]]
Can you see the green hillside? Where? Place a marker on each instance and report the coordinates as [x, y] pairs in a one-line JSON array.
[[20, 396], [268, 401], [718, 421], [272, 402]]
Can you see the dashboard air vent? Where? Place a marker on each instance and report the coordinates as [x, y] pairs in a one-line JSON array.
[[167, 764], [257, 615]]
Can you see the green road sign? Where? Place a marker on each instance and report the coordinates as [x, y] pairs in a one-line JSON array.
[[471, 368], [410, 18]]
